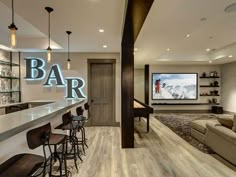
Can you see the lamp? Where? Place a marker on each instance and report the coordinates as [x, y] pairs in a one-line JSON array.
[[13, 28], [68, 60], [49, 50]]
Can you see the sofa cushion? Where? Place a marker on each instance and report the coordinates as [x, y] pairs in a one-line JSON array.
[[226, 120], [234, 126], [222, 131], [200, 125]]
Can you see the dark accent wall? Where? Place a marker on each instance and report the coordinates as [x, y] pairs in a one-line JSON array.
[[146, 84], [136, 13]]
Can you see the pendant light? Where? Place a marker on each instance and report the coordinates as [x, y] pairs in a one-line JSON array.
[[68, 60], [49, 50], [13, 28]]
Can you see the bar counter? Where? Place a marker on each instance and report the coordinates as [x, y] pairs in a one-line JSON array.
[[14, 126]]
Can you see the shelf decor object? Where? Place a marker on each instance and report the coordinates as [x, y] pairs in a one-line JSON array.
[[213, 83], [13, 28], [68, 60], [10, 80], [49, 50]]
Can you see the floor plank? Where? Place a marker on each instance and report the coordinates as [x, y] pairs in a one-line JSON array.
[[160, 153]]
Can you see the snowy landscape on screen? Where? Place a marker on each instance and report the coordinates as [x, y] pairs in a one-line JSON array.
[[174, 86]]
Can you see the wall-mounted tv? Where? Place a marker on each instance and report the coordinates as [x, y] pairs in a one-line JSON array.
[[174, 86]]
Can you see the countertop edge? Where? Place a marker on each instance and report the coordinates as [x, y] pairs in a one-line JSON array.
[[9, 133]]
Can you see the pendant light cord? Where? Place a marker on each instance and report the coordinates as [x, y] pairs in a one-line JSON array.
[[12, 8], [68, 46], [49, 27]]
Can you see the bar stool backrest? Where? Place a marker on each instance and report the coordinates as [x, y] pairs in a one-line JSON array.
[[37, 137], [67, 118], [86, 107], [79, 111]]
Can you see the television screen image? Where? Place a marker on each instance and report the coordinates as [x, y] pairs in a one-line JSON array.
[[168, 86]]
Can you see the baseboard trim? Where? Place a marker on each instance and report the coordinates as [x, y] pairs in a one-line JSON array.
[[117, 124], [182, 111]]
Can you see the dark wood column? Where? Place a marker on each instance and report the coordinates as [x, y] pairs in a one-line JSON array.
[[136, 13], [146, 84]]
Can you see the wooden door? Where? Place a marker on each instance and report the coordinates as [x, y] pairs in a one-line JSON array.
[[102, 85]]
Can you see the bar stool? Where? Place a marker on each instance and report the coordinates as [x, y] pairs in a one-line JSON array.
[[68, 124], [44, 136], [81, 122], [23, 165]]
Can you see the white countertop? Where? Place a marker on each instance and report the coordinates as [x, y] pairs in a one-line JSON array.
[[13, 123], [19, 103]]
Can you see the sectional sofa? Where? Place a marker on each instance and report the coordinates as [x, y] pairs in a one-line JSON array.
[[219, 134]]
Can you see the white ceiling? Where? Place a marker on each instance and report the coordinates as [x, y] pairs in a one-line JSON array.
[[168, 23], [83, 17], [166, 26]]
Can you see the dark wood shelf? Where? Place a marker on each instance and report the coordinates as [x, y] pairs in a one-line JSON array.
[[8, 63], [209, 95], [209, 77], [208, 86], [8, 77], [9, 91], [185, 104]]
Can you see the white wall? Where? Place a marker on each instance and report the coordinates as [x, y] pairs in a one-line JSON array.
[[34, 90], [229, 87], [183, 69], [139, 84]]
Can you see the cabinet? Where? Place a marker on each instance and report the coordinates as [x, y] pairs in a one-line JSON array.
[[10, 79]]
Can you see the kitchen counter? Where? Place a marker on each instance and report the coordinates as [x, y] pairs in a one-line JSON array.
[[14, 123]]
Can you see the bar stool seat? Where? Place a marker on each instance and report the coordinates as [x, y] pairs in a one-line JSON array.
[[23, 165], [69, 126], [56, 139]]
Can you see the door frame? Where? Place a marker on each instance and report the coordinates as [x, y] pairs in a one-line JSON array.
[[103, 61]]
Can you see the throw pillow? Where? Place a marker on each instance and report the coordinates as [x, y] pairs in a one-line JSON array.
[[226, 121]]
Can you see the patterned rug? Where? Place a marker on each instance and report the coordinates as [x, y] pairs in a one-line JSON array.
[[180, 124]]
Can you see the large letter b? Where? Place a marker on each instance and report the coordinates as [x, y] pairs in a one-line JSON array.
[[34, 69]]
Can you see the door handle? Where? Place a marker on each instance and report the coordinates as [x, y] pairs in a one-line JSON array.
[[92, 101]]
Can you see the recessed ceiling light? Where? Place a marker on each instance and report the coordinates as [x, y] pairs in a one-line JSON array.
[[230, 56], [188, 35], [135, 49], [203, 19], [101, 30], [208, 50], [210, 61], [104, 46], [163, 59], [168, 49]]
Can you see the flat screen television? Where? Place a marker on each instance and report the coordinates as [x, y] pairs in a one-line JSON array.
[[174, 86]]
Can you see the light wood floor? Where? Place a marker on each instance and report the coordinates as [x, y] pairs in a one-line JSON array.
[[160, 153]]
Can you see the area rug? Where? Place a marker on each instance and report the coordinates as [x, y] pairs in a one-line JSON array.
[[180, 124]]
